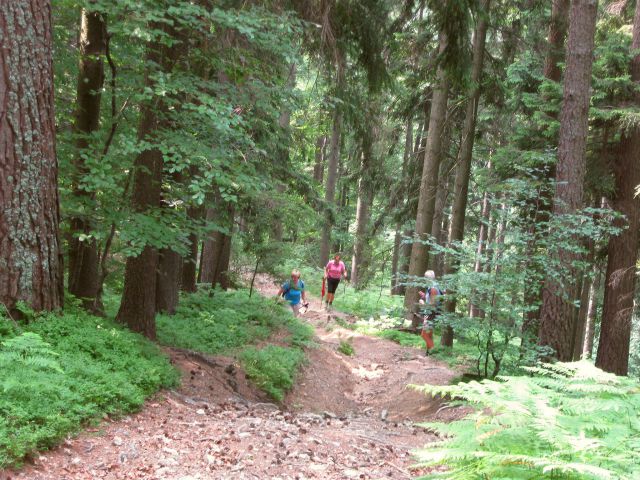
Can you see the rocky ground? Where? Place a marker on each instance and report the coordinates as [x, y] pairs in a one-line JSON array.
[[347, 417]]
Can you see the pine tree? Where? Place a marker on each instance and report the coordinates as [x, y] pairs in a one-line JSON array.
[[30, 257], [557, 308]]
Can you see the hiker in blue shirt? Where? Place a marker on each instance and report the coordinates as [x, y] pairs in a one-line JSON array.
[[293, 292]]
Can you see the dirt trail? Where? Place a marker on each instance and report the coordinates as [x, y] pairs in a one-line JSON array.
[[348, 417]]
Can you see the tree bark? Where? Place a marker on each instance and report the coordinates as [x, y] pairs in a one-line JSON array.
[[590, 330], [556, 313], [556, 38], [581, 324], [216, 251], [428, 186], [397, 241], [84, 275], [365, 199], [168, 281], [30, 258], [620, 279], [138, 305], [483, 231], [330, 188], [189, 263], [465, 154]]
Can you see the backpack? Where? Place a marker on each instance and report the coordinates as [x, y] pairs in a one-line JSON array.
[[428, 293]]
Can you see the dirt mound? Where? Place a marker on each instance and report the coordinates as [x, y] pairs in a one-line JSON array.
[[325, 384], [213, 379]]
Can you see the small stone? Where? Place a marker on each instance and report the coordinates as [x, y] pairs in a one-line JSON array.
[[200, 411], [117, 441]]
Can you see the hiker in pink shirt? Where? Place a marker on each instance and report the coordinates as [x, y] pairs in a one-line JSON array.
[[333, 272]]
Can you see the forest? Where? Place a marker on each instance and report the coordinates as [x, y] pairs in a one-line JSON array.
[[165, 165]]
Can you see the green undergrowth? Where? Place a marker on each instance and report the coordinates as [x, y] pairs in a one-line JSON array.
[[232, 323], [566, 420], [60, 372]]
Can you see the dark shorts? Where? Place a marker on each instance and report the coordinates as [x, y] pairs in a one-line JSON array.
[[332, 284]]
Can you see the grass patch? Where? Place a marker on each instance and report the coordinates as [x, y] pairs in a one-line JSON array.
[[272, 368], [346, 348], [232, 323], [59, 372]]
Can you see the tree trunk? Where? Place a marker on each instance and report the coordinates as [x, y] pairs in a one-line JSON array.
[[557, 35], [463, 172], [330, 188], [397, 241], [84, 275], [580, 327], [590, 330], [485, 214], [138, 305], [438, 227], [30, 258], [365, 199], [168, 281], [189, 263], [216, 251], [428, 185], [556, 313], [318, 167], [534, 274], [620, 279]]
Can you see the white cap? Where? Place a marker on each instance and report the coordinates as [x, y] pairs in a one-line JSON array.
[[430, 274]]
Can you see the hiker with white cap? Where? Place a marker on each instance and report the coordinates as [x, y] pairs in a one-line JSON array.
[[431, 308]]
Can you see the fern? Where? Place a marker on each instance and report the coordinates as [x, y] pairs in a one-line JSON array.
[[567, 420], [28, 350]]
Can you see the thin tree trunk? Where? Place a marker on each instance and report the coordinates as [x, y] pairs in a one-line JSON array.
[[189, 263], [582, 318], [620, 279], [395, 259], [438, 230], [556, 313], [138, 305], [318, 167], [463, 172], [330, 188], [365, 199], [30, 258], [84, 275], [428, 186], [590, 329]]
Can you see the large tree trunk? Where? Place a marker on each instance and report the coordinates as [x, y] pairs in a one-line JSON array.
[[620, 279], [330, 188], [138, 305], [534, 274], [556, 314], [428, 186], [84, 275], [30, 258]]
